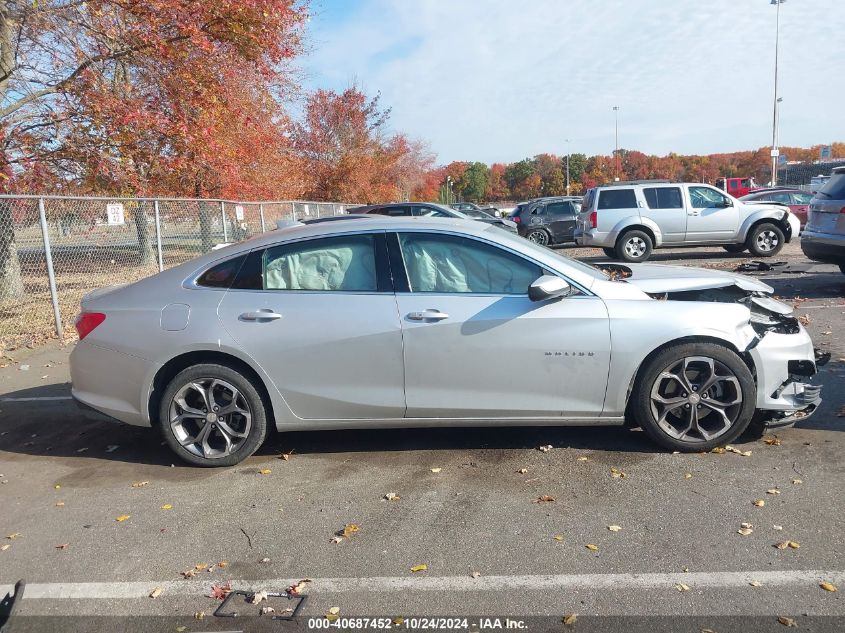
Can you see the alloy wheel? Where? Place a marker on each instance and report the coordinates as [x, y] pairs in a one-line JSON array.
[[539, 237], [210, 417], [767, 241], [635, 247], [696, 399]]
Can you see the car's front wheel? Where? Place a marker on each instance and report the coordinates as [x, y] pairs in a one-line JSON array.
[[694, 397], [634, 246], [539, 236], [212, 415], [765, 240]]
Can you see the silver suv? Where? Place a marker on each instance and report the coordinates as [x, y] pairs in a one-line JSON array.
[[824, 236], [630, 219]]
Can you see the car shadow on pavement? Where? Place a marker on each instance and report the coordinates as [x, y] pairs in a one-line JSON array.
[[809, 286]]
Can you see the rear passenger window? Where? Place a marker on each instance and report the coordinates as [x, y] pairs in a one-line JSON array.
[[558, 208], [222, 275], [663, 198], [617, 199]]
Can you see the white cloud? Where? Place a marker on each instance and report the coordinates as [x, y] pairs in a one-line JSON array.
[[501, 80]]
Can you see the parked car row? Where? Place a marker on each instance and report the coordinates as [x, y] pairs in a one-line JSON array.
[[823, 239]]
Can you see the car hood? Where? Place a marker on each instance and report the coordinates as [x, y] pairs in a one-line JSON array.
[[660, 278]]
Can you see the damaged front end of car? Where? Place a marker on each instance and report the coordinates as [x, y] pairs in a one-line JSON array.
[[780, 353]]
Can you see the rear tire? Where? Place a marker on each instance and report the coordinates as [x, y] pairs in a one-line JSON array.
[[735, 248], [539, 236], [765, 240], [693, 397], [212, 415], [634, 246], [610, 252]]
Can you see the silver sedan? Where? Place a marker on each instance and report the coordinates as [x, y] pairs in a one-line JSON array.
[[390, 322]]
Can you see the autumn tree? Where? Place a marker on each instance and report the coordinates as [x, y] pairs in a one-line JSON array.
[[497, 186], [473, 182]]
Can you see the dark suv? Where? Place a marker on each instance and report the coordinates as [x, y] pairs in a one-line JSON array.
[[430, 210], [547, 221]]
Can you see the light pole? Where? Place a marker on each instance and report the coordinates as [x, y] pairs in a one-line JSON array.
[[616, 153], [449, 190], [775, 99], [567, 165]]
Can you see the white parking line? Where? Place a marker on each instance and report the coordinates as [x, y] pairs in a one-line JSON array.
[[118, 590], [36, 398]]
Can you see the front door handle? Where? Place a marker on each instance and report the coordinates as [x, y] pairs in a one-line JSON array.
[[431, 314], [264, 314], [692, 213]]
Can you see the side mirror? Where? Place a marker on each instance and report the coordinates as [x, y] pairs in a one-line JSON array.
[[548, 287], [726, 202]]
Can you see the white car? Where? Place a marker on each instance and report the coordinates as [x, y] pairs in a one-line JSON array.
[[630, 219], [394, 322]]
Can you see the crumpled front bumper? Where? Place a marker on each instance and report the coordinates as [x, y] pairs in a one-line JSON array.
[[784, 363]]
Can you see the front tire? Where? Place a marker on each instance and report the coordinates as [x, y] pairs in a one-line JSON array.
[[539, 236], [765, 240], [734, 248], [634, 247], [694, 396], [212, 415]]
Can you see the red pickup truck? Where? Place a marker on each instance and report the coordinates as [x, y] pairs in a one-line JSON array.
[[737, 187]]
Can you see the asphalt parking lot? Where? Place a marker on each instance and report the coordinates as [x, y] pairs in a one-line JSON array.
[[468, 509]]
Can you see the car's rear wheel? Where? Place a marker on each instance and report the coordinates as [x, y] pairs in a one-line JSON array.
[[610, 252], [735, 248], [212, 415], [539, 236], [634, 246], [694, 397], [765, 240]]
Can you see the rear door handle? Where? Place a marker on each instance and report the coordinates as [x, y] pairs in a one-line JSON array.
[[692, 213], [431, 314], [264, 314]]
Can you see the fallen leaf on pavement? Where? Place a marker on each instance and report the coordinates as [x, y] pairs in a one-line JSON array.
[[199, 615], [336, 539], [591, 547], [755, 583], [718, 450], [789, 544], [614, 528], [223, 563], [333, 614], [155, 593], [417, 568], [682, 587], [731, 449], [436, 470], [545, 449], [286, 456], [348, 530], [617, 474], [13, 536], [179, 629], [744, 531], [544, 499], [219, 592], [570, 618], [773, 440], [57, 487], [257, 597], [266, 610], [62, 546], [558, 537], [167, 506], [476, 574], [827, 586], [60, 504], [583, 459], [687, 475], [189, 573], [759, 503], [3, 548], [784, 620], [797, 481], [804, 319], [139, 484], [746, 525], [264, 471], [296, 590], [122, 518], [522, 471], [777, 527], [201, 566], [264, 560], [773, 491], [391, 496]]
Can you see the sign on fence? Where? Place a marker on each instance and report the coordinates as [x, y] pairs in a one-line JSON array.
[[114, 211], [239, 212]]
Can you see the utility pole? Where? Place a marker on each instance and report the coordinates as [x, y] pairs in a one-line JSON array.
[[616, 152], [776, 100]]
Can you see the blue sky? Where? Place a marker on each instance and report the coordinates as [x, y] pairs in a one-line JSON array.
[[499, 80]]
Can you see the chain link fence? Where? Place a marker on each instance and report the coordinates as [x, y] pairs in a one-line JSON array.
[[53, 250]]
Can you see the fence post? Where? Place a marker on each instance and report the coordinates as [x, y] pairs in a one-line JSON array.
[[261, 215], [48, 255], [158, 237], [223, 217]]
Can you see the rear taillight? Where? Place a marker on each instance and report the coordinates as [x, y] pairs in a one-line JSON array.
[[594, 220], [87, 321], [842, 210], [516, 219]]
